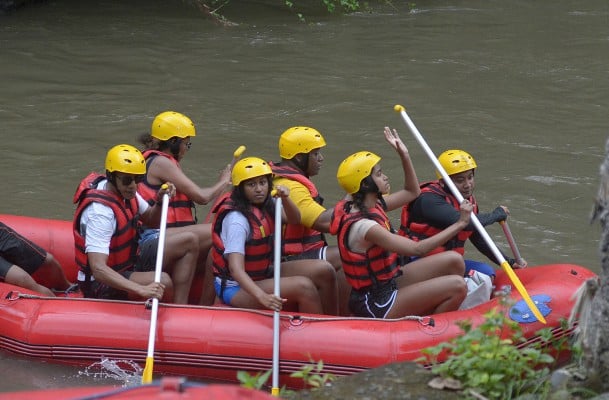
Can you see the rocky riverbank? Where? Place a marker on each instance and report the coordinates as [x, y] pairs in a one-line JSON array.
[[409, 380]]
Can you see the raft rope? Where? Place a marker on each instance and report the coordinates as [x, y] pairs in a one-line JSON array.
[[14, 295]]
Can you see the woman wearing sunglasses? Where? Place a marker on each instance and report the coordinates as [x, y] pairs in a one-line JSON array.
[[164, 148], [112, 265]]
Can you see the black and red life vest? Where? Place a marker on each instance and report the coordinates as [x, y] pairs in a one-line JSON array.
[[258, 246], [297, 239], [180, 211], [418, 231], [372, 268], [123, 245]]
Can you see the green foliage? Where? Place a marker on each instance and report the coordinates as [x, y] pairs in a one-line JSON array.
[[311, 375], [256, 381], [488, 361]]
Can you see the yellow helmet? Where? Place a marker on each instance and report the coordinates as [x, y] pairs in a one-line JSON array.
[[455, 161], [170, 124], [299, 139], [127, 159], [354, 169], [249, 167]]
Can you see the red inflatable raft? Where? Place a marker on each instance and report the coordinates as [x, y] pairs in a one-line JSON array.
[[216, 342], [166, 389]]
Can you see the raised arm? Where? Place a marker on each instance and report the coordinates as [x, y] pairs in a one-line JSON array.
[[410, 189]]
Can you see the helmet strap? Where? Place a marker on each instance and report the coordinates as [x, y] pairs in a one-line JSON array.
[[111, 177], [301, 161], [174, 146]]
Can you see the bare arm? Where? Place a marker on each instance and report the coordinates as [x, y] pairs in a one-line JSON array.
[[104, 274], [411, 188], [236, 265], [404, 246], [291, 213], [163, 170]]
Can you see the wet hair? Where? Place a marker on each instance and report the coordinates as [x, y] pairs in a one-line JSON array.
[[147, 140], [243, 205], [152, 143], [366, 186]]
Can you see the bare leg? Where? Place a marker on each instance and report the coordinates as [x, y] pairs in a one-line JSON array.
[[436, 265], [323, 276], [296, 288], [146, 278], [18, 277], [432, 296], [203, 234], [208, 294], [344, 289], [180, 257], [53, 273]]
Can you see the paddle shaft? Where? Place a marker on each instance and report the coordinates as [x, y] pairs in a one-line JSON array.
[[147, 374], [511, 241], [276, 292], [504, 264]]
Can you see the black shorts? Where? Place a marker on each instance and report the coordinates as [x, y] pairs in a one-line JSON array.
[[146, 262], [315, 254], [374, 303], [17, 250], [98, 290]]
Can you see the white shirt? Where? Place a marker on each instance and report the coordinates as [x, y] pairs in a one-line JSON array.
[[98, 223], [235, 231]]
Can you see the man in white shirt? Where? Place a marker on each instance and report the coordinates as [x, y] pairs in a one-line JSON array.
[[105, 235]]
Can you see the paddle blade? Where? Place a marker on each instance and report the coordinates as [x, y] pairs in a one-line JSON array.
[[523, 292], [147, 374]]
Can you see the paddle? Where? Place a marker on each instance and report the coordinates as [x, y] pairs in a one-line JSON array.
[[511, 242], [147, 374], [276, 291], [236, 156], [504, 264]]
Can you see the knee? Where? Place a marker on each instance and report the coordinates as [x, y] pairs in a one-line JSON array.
[[191, 242], [327, 272], [456, 262], [306, 287], [458, 284], [166, 281]]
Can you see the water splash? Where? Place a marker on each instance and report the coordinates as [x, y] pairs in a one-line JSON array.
[[128, 372]]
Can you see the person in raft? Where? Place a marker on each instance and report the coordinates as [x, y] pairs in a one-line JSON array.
[[436, 208], [372, 254], [112, 265], [21, 261], [242, 252], [300, 149], [164, 147]]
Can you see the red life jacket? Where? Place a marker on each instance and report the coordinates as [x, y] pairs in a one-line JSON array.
[[418, 231], [123, 245], [180, 211], [298, 239], [363, 270], [258, 246]]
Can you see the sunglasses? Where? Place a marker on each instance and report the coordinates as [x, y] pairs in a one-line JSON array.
[[127, 179]]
